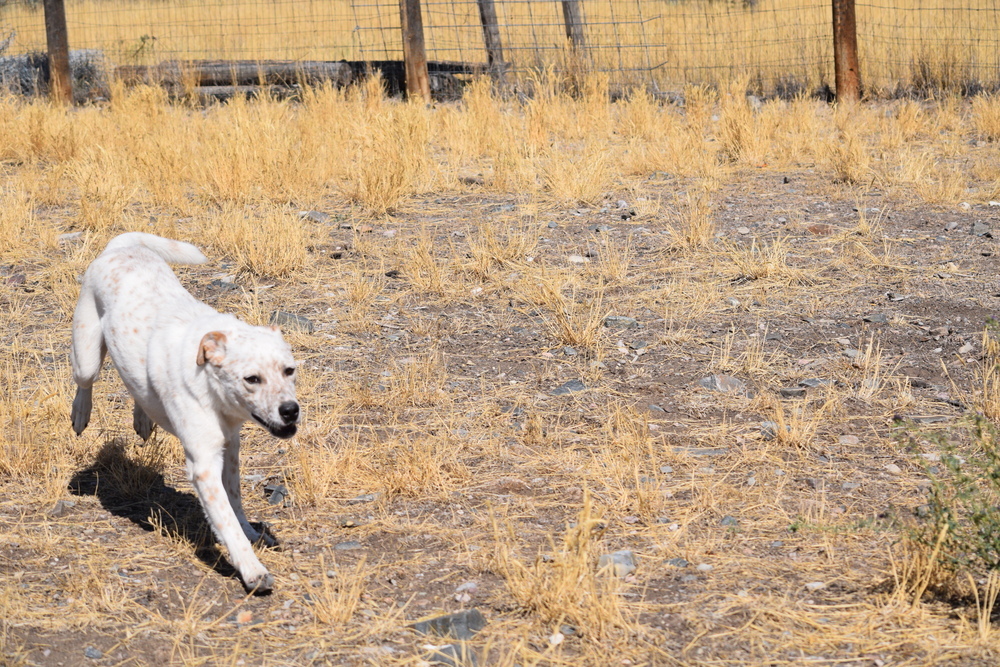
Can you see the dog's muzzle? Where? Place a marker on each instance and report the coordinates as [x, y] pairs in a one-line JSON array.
[[289, 413]]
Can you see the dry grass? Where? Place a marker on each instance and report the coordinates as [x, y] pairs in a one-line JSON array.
[[452, 292]]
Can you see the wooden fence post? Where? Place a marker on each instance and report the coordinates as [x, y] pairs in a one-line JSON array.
[[60, 80], [847, 76], [491, 36], [418, 82], [574, 23]]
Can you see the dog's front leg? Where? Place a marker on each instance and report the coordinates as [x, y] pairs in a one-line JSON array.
[[231, 481], [205, 466]]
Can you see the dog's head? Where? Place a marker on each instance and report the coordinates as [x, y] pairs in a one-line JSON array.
[[253, 371]]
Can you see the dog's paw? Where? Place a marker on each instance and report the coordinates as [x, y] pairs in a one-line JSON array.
[[82, 405], [260, 584]]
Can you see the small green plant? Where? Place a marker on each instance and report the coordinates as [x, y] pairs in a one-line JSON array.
[[961, 512]]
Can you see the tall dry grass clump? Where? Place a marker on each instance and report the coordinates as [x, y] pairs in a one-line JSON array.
[[266, 240], [566, 585], [986, 116], [390, 157]]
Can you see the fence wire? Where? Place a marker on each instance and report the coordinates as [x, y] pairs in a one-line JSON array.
[[783, 45]]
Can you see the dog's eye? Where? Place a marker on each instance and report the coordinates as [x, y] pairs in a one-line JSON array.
[[252, 379], [289, 371]]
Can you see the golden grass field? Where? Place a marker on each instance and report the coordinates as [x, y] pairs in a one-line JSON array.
[[903, 44], [468, 245]]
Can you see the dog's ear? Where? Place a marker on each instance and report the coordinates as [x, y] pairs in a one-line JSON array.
[[212, 348]]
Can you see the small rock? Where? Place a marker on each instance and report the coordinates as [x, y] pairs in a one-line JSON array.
[[815, 483], [291, 321], [569, 387], [894, 469], [597, 229], [851, 353], [743, 230], [769, 429], [704, 567], [570, 351], [951, 226], [460, 625], [92, 653], [470, 587], [637, 344], [815, 585], [701, 451], [349, 545], [723, 383], [981, 229], [849, 486], [821, 229], [965, 206], [364, 498], [621, 563], [666, 470], [966, 349], [314, 216], [61, 508], [849, 440], [792, 392], [451, 655], [728, 521], [622, 204], [877, 318], [812, 383], [276, 493], [733, 301], [552, 224], [677, 562], [556, 638], [223, 285], [577, 259], [929, 419], [620, 322], [70, 236]]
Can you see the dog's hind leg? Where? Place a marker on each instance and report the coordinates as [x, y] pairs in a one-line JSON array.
[[141, 422], [231, 481], [87, 356]]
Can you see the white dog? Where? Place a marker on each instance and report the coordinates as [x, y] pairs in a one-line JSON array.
[[197, 373]]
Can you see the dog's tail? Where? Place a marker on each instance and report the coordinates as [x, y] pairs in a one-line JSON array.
[[176, 252]]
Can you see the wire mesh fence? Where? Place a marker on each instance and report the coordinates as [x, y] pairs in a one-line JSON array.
[[779, 45]]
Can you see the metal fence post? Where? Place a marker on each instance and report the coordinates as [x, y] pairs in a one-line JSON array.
[[60, 81], [847, 76], [418, 83], [491, 36]]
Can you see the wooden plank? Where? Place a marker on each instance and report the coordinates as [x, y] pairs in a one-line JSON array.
[[418, 83], [573, 17], [57, 41], [237, 73], [847, 74]]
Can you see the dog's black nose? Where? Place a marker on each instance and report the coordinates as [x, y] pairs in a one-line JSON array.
[[289, 411]]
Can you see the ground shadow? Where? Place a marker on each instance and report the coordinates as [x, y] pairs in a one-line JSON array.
[[135, 490]]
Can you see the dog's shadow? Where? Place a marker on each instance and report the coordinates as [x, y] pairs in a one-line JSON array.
[[135, 490]]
